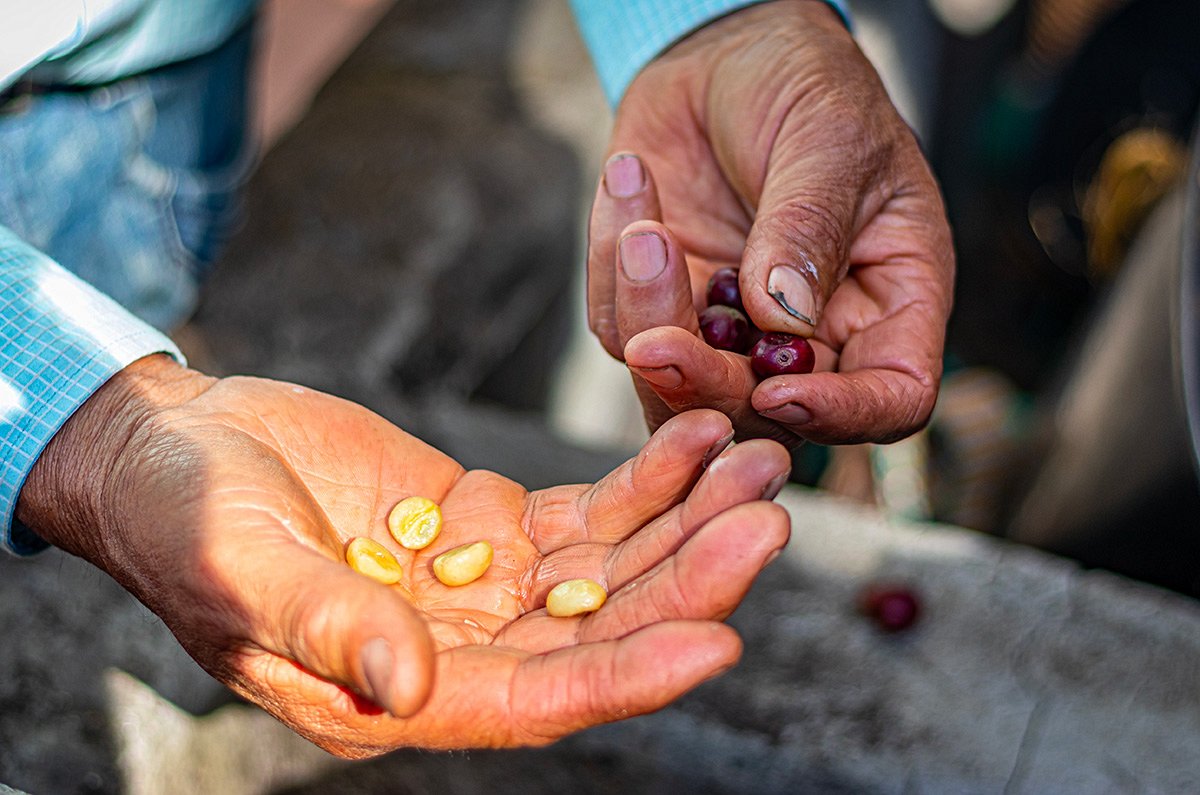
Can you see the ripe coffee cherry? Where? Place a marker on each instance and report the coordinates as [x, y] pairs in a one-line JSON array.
[[723, 290], [725, 328], [781, 354], [892, 607]]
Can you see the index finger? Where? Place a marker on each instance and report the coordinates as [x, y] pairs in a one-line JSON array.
[[659, 477], [885, 388], [686, 373]]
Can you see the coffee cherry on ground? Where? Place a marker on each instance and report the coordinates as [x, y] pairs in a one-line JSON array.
[[725, 328], [781, 354], [892, 607], [723, 290]]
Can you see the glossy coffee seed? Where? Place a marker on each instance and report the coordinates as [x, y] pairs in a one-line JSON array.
[[725, 328], [573, 597], [415, 522], [367, 556], [464, 564], [781, 354]]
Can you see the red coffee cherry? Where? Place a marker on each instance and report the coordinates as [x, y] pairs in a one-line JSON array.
[[781, 354], [892, 607], [725, 328], [723, 290]]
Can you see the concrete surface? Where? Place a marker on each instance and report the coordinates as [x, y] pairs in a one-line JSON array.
[[412, 243]]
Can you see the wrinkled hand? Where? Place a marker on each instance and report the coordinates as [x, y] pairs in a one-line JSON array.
[[225, 506], [765, 141]]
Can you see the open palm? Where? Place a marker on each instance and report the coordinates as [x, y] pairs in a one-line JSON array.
[[237, 506]]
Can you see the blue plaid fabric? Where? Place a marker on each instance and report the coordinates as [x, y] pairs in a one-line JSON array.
[[60, 340], [625, 35]]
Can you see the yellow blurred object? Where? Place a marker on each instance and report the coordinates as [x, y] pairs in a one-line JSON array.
[[1137, 170]]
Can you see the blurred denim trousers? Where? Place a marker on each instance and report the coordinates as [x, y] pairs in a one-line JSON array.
[[133, 185]]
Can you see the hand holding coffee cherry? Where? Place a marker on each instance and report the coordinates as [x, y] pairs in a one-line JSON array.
[[725, 326]]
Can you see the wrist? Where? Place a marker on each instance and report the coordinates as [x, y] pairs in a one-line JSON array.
[[800, 21], [70, 496], [623, 38], [744, 53]]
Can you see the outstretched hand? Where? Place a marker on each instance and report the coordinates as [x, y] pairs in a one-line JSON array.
[[226, 505], [766, 142]]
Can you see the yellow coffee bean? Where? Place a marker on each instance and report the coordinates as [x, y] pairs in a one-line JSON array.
[[415, 522], [572, 597], [367, 556], [464, 564]]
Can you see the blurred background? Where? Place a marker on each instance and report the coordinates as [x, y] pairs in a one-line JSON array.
[[413, 240]]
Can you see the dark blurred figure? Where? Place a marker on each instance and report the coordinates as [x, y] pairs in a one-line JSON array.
[[1062, 144]]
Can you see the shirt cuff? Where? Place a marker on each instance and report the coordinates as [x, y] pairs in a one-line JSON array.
[[32, 31], [60, 341], [45, 29], [625, 35]]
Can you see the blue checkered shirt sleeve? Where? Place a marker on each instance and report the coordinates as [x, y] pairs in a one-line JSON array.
[[625, 35], [60, 340]]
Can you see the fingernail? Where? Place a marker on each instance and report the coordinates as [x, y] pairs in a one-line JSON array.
[[794, 292], [772, 489], [717, 448], [775, 553], [624, 176], [789, 414], [666, 377], [643, 256], [377, 663]]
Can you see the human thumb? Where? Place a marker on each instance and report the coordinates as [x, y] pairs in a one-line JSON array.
[[798, 246], [351, 630]]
